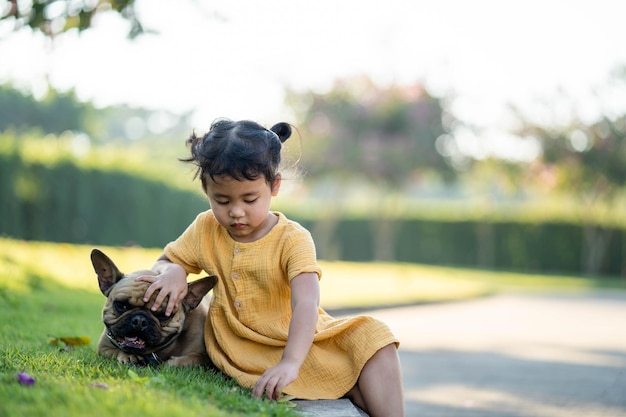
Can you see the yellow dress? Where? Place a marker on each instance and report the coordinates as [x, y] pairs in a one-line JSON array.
[[248, 323]]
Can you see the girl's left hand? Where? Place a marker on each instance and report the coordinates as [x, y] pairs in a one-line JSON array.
[[275, 379]]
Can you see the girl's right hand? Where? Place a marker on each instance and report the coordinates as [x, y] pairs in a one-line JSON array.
[[171, 284]]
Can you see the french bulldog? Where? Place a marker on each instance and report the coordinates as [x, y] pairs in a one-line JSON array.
[[133, 334]]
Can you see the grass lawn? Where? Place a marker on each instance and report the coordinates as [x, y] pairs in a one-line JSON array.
[[48, 291]]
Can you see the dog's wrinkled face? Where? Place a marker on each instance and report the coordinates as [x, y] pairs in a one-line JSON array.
[[131, 325], [135, 334]]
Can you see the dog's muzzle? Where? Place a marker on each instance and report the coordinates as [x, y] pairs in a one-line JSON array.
[[136, 345]]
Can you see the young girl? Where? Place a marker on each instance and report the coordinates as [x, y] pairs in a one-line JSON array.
[[265, 327]]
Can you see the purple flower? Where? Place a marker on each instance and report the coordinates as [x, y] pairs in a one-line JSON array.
[[25, 379]]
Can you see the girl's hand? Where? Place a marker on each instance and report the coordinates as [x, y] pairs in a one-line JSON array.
[[275, 379], [171, 283]]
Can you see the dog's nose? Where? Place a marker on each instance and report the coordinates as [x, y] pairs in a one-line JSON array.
[[139, 322]]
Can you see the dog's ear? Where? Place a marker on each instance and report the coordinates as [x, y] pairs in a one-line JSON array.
[[198, 289], [107, 272]]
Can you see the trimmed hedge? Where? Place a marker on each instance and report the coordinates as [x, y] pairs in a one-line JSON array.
[[557, 247], [63, 202]]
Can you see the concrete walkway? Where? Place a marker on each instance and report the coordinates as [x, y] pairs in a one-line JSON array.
[[557, 355], [328, 408]]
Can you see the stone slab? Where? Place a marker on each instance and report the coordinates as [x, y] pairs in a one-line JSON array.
[[328, 408]]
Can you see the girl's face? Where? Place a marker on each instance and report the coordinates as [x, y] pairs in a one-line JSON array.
[[242, 207]]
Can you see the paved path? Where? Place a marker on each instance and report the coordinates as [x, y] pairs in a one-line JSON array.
[[514, 356]]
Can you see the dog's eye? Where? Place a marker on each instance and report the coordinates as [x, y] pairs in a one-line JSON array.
[[162, 317], [120, 306]]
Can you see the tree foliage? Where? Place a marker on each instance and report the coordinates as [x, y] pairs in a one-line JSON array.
[[54, 17], [586, 159], [55, 113], [58, 111], [387, 135]]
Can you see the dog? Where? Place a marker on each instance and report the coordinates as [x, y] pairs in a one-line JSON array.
[[133, 334]]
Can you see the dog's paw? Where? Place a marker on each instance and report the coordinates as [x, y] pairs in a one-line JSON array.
[[129, 359]]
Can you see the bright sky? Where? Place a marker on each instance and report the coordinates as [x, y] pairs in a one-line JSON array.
[[234, 58]]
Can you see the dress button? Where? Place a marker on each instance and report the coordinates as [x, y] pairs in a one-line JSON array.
[[237, 250], [237, 303], [236, 275]]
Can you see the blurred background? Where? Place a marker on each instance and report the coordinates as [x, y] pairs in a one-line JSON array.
[[485, 134]]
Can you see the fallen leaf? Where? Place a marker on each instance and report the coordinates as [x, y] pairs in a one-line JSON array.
[[71, 341]]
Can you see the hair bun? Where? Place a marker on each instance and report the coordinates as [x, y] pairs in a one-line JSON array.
[[283, 130]]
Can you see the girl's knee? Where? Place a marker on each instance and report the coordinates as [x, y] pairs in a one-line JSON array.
[[387, 353], [391, 348]]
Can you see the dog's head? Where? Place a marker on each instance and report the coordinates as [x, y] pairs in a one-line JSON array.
[[130, 323]]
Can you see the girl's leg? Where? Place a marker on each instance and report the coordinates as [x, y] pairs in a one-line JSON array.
[[379, 388], [354, 395]]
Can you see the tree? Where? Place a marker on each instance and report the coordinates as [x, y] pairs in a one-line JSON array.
[[588, 160], [54, 17], [55, 113], [387, 135], [383, 136], [58, 112]]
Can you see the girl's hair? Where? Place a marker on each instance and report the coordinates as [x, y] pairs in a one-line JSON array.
[[240, 150]]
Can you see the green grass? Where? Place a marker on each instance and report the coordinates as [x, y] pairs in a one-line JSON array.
[[42, 296], [50, 290], [349, 285]]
